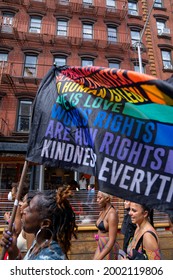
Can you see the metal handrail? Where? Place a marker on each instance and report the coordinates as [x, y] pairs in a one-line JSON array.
[[4, 128], [86, 210]]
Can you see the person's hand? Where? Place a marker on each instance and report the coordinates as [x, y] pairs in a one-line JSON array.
[[8, 241], [7, 216]]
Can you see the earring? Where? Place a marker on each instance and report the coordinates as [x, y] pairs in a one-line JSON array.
[[44, 235]]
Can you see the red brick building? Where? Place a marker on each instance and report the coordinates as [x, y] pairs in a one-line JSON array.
[[35, 34]]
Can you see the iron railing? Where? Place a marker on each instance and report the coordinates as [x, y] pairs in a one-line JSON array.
[[86, 211]]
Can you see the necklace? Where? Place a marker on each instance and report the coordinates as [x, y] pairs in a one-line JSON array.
[[105, 213]]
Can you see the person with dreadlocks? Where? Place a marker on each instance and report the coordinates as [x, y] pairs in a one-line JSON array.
[[51, 219]]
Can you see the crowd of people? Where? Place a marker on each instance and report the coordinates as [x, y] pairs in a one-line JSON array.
[[50, 219], [45, 223]]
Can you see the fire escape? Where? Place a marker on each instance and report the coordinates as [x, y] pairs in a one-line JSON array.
[[13, 76]]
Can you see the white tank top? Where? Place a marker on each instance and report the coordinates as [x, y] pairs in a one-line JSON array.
[[21, 243]]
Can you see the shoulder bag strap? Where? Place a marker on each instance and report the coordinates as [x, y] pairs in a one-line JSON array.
[[141, 239]]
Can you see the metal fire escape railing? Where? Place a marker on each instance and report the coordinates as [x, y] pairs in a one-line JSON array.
[[73, 35], [19, 73], [77, 6], [4, 129]]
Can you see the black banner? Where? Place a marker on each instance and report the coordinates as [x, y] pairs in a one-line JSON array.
[[114, 124]]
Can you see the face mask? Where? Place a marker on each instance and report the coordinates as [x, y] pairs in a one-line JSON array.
[[10, 196]]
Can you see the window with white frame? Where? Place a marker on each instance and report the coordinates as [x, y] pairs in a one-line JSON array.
[[87, 62], [166, 59], [87, 31], [158, 4], [60, 60], [135, 37], [114, 64], [110, 3], [35, 24], [112, 34], [7, 22], [132, 8], [30, 66], [24, 116], [62, 27]]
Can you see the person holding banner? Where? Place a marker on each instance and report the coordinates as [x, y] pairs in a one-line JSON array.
[[144, 245], [23, 239], [11, 197], [107, 224], [51, 219]]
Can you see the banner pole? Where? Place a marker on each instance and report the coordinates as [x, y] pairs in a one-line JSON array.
[[16, 202], [41, 180]]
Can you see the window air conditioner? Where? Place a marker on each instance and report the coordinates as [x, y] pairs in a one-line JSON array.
[[164, 31]]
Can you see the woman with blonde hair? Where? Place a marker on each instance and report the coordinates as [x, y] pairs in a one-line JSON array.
[[107, 224]]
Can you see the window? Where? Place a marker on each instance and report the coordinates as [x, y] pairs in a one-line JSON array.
[[158, 4], [24, 116], [136, 68], [135, 37], [87, 31], [7, 25], [110, 3], [30, 65], [112, 34], [3, 60], [35, 24], [62, 27], [132, 8], [87, 62], [88, 2], [3, 56], [166, 58], [161, 27], [60, 60], [114, 64], [63, 2]]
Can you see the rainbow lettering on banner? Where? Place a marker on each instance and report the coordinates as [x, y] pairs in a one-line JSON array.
[[114, 124]]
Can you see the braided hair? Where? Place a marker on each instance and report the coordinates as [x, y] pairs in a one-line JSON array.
[[55, 206]]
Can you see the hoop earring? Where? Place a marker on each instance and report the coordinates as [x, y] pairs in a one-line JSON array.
[[44, 235]]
